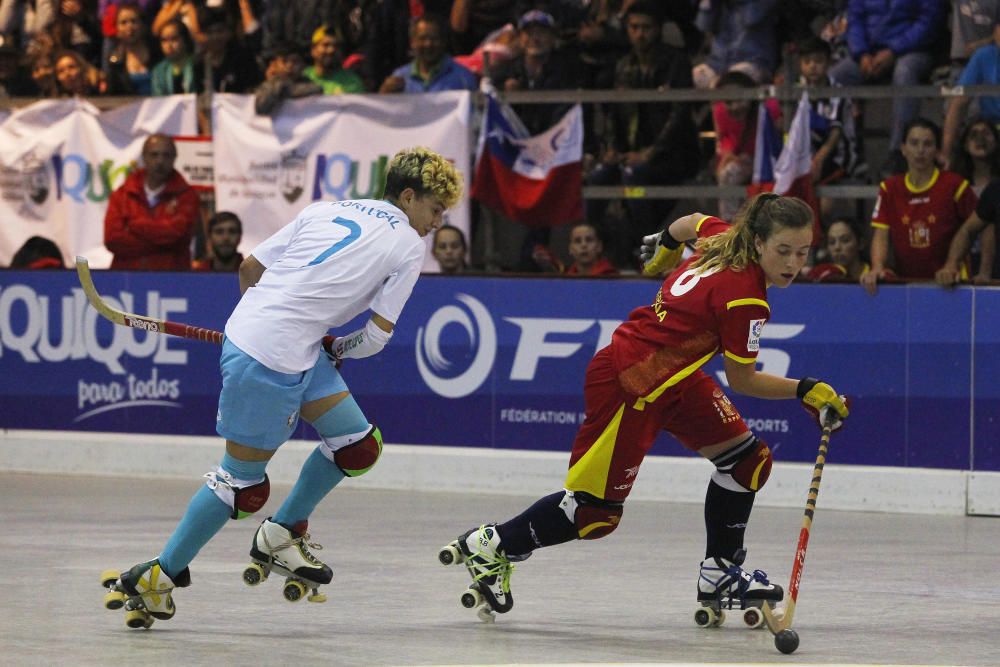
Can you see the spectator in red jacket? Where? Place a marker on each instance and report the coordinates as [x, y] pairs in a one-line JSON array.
[[151, 218]]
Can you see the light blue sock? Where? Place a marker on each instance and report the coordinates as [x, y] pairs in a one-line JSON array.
[[320, 475], [205, 516]]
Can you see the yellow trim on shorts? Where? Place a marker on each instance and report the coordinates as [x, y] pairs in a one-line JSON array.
[[749, 301], [640, 403], [742, 360], [590, 473]]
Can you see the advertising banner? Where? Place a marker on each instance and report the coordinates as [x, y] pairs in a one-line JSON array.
[[61, 159], [331, 147], [499, 363]]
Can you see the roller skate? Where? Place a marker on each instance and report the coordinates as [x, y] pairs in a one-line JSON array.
[[489, 568], [278, 549], [144, 592], [723, 585]]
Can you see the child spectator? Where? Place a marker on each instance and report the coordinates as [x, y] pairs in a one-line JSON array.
[[38, 252]]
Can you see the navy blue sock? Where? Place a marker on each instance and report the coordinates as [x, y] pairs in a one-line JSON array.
[[544, 524], [726, 516]]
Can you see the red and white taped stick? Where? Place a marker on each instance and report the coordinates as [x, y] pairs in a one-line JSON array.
[[143, 322]]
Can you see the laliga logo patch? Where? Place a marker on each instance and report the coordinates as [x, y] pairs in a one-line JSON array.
[[753, 340], [482, 339]]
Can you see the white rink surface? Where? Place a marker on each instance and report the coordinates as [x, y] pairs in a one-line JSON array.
[[885, 589]]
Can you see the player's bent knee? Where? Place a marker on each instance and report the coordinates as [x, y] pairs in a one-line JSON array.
[[748, 464], [244, 497], [595, 517], [354, 454]]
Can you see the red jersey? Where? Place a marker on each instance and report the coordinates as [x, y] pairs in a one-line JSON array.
[[694, 316], [922, 222]]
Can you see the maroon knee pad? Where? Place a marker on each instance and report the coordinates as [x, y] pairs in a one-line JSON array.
[[595, 517]]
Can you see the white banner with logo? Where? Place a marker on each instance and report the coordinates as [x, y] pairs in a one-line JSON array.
[[333, 147], [61, 159]]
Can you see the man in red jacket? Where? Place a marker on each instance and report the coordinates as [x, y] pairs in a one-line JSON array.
[[151, 217]]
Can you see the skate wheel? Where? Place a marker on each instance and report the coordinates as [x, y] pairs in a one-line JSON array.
[[316, 596], [485, 614], [720, 619], [114, 600], [254, 574], [138, 618], [109, 578], [294, 590], [753, 617], [704, 617], [471, 598], [450, 555]]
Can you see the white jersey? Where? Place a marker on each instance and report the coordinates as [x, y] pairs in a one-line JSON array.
[[333, 262]]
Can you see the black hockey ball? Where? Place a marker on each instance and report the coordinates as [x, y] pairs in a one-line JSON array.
[[786, 641]]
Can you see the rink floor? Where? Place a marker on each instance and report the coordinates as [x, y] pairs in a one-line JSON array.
[[877, 588]]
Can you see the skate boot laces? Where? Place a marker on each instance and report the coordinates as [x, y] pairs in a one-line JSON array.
[[301, 542], [491, 563]]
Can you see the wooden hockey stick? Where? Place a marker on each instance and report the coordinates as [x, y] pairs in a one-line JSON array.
[[143, 322], [785, 639]]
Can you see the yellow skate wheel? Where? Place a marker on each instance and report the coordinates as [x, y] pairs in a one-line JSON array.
[[753, 617], [138, 618], [109, 578], [471, 598], [316, 596], [254, 574], [294, 590], [450, 555], [114, 600]]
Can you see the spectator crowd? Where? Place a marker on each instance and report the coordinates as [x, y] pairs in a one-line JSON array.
[[936, 206]]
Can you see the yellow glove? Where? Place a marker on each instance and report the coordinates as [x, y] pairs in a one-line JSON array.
[[657, 255], [822, 401]]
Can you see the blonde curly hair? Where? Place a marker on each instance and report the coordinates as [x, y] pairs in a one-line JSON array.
[[427, 172]]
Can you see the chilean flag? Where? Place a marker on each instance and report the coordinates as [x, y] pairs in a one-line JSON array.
[[791, 173], [536, 180]]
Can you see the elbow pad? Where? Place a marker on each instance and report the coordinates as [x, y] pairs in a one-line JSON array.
[[361, 343]]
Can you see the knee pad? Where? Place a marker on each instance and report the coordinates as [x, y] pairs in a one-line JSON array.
[[593, 517], [355, 453], [746, 466], [243, 497]]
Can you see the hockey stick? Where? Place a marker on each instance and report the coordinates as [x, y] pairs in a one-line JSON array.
[[143, 322], [786, 640]]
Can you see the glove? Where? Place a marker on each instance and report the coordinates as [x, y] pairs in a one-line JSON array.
[[823, 402], [330, 353], [659, 253]]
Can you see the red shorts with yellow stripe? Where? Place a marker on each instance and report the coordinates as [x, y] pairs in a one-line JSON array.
[[619, 430]]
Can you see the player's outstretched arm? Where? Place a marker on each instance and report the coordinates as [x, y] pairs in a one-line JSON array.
[[662, 251], [815, 395]]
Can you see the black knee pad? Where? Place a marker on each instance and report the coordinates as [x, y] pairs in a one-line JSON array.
[[748, 463], [359, 457], [595, 517]]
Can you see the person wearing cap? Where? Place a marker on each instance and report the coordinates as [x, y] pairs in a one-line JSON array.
[[327, 70], [432, 69]]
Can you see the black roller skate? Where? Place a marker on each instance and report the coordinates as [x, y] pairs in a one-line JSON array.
[[723, 584], [489, 568], [145, 591]]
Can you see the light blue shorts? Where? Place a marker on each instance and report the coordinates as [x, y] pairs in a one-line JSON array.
[[259, 407]]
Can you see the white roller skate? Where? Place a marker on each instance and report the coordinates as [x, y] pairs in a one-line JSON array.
[[144, 591], [723, 584], [276, 548], [489, 568]]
